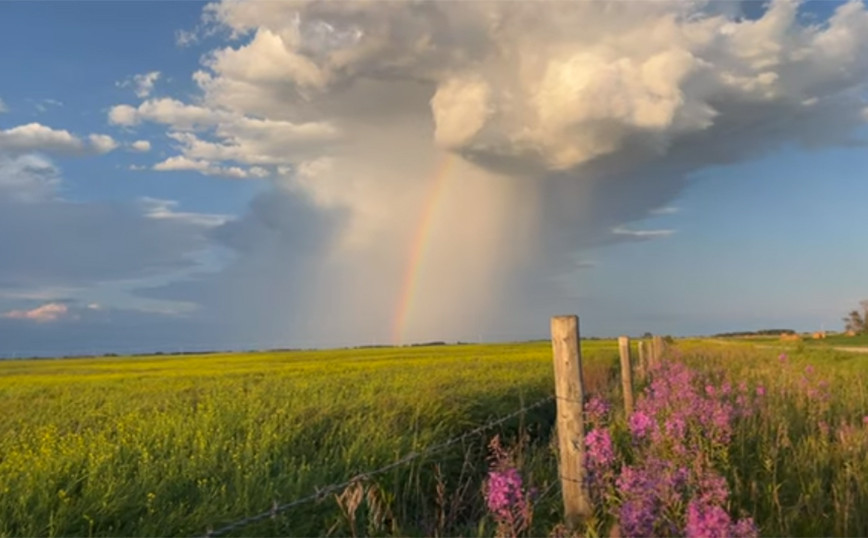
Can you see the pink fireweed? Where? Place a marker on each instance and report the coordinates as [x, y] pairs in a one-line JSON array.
[[680, 429], [597, 410], [600, 452], [640, 425], [505, 496], [710, 521]]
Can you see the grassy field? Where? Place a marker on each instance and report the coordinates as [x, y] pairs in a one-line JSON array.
[[151, 446], [171, 445], [799, 463]]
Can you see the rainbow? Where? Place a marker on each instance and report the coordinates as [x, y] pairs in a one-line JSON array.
[[418, 246]]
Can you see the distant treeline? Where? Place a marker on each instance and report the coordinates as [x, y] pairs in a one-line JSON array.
[[764, 332]]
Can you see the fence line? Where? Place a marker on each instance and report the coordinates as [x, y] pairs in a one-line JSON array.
[[320, 493]]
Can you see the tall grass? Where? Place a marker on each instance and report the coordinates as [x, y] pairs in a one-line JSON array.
[[150, 446], [794, 454], [800, 463]]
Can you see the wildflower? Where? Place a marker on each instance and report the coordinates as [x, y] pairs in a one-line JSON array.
[[636, 518], [809, 369], [505, 495], [865, 420], [600, 450], [640, 425], [710, 521], [713, 489], [596, 409], [745, 528], [676, 428], [782, 357], [707, 521], [760, 391]]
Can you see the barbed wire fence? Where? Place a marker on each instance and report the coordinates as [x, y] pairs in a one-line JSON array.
[[321, 492]]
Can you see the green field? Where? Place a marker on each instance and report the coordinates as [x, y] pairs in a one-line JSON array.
[[151, 446], [172, 445]]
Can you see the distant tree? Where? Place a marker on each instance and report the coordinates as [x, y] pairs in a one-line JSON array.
[[856, 321], [647, 335]]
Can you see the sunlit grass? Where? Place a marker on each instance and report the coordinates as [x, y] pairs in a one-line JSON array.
[[171, 445]]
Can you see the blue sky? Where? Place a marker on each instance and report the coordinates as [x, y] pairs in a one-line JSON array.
[[708, 177], [769, 243]]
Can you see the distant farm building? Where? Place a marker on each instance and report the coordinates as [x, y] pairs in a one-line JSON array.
[[790, 337]]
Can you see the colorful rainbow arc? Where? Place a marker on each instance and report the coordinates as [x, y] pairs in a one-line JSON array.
[[418, 247]]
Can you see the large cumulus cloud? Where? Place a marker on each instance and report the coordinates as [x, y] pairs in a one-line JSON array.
[[556, 125]]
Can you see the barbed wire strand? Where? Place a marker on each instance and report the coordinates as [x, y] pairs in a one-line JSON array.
[[320, 493], [554, 485]]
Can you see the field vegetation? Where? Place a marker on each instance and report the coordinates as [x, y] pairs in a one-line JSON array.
[[154, 446], [729, 437]]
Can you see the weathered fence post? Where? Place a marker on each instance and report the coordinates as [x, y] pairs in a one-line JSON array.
[[657, 347], [569, 395], [626, 373], [643, 359]]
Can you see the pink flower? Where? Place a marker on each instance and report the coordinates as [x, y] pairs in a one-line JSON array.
[[640, 425], [600, 450], [505, 495], [596, 409], [760, 390]]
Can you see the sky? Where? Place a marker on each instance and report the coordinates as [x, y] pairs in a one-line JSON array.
[[183, 176]]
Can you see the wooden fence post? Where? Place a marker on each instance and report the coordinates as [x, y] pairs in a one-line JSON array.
[[626, 373], [569, 394], [657, 347], [643, 359]]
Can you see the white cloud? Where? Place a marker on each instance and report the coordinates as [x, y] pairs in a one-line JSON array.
[[27, 178], [665, 210], [62, 244], [102, 143], [156, 208], [209, 169], [38, 137], [3, 107], [41, 314], [236, 138], [185, 38], [42, 105], [167, 111], [141, 146], [642, 234], [494, 116], [460, 108], [142, 84], [539, 90]]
